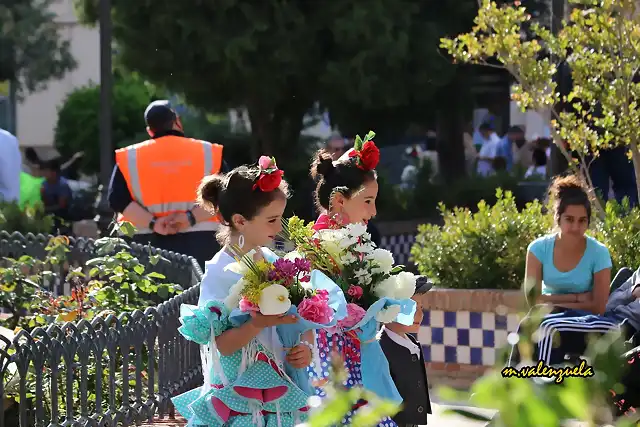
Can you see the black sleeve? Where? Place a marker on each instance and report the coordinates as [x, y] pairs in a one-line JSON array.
[[119, 195]]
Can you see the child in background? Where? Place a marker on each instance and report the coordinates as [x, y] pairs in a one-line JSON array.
[[56, 195], [406, 362], [539, 167]]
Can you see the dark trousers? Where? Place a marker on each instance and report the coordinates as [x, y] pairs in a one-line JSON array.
[[201, 245], [565, 332], [613, 164]]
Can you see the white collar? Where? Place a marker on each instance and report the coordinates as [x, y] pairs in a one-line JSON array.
[[403, 341]]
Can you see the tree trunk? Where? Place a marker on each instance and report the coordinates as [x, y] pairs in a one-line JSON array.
[[635, 157], [450, 127], [276, 130]]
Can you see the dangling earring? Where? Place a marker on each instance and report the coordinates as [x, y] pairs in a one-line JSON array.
[[241, 241]]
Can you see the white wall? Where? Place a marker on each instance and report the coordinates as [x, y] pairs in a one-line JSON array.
[[37, 113]]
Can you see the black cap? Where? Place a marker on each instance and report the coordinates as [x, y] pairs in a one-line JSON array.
[[159, 114], [423, 285]]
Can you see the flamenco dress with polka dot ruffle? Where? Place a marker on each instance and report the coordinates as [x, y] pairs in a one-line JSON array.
[[259, 395], [345, 344]]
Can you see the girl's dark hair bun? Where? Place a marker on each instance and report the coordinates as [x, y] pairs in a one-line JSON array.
[[210, 192], [568, 186], [322, 164]]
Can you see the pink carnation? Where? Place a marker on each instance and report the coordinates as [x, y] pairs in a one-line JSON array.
[[323, 295], [246, 305], [315, 309], [355, 292], [355, 313]]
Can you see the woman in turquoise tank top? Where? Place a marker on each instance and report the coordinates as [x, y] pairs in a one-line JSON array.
[[570, 271]]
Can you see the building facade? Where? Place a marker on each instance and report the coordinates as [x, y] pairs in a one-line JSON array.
[[37, 113]]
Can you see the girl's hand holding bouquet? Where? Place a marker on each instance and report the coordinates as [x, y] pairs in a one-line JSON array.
[[275, 293]]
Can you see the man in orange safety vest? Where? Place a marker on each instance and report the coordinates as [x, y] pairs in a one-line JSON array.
[[154, 185]]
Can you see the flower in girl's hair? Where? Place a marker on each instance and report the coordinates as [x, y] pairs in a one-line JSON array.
[[366, 153], [266, 162], [270, 176]]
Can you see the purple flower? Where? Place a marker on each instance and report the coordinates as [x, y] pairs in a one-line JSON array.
[[285, 268], [303, 265]]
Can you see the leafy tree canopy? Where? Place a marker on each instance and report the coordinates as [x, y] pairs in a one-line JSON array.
[[599, 45], [32, 51], [78, 125], [277, 58]]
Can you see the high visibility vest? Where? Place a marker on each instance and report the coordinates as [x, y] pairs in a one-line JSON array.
[[163, 175]]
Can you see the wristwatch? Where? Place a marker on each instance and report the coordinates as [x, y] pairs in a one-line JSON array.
[[152, 223], [191, 218]]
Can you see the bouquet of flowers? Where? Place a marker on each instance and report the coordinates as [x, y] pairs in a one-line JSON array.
[[377, 292], [286, 286]]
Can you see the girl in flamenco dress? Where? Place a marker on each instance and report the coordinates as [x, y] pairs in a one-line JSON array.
[[243, 367], [346, 193]]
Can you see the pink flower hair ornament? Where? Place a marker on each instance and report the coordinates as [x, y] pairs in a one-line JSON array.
[[270, 176]]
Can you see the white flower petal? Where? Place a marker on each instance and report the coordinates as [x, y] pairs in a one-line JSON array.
[[405, 285], [274, 300], [388, 314]]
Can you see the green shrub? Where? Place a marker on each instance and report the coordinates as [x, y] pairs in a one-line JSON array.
[[478, 250], [487, 249], [78, 125], [31, 219], [620, 231]]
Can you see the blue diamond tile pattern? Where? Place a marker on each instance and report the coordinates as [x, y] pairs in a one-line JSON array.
[[465, 337]]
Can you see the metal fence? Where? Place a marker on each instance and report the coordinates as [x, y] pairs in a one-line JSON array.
[[110, 371]]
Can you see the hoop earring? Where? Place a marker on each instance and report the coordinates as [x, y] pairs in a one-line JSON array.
[[241, 241]]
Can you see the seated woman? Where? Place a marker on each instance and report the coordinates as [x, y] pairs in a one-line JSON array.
[[570, 270]]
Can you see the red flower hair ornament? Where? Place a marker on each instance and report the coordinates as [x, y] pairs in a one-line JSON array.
[[365, 152], [270, 176]]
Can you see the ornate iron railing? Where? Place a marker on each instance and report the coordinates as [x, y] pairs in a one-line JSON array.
[[109, 371]]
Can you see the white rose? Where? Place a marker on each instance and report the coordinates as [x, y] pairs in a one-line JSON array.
[[274, 300], [237, 267], [365, 247], [293, 255], [363, 276], [405, 285], [356, 229], [386, 288], [347, 242], [348, 258], [233, 299], [388, 314], [384, 260], [332, 235]]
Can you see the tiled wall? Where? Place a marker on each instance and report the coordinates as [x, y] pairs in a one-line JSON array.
[[399, 245], [464, 337]]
